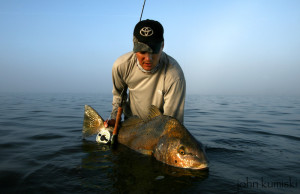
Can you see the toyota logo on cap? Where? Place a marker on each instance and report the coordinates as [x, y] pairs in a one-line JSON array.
[[146, 31]]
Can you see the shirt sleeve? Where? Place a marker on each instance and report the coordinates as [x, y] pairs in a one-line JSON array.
[[174, 99], [118, 86]]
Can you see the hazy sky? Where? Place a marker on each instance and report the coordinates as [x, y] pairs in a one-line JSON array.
[[223, 46]]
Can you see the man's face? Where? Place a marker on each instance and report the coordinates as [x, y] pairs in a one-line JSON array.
[[148, 60]]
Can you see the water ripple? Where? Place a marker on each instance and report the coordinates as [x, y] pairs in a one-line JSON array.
[[46, 136], [41, 149]]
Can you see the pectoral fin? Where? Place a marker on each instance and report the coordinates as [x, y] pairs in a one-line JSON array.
[[146, 152]]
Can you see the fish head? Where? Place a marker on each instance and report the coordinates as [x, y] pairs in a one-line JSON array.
[[185, 155], [180, 149]]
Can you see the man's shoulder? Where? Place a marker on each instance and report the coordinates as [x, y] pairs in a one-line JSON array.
[[125, 58], [174, 70]]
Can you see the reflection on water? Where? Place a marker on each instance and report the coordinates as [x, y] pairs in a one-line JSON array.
[[131, 172]]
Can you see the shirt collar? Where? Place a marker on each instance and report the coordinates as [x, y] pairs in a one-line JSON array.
[[145, 71]]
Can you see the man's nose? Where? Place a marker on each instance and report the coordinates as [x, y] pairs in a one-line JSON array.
[[148, 56]]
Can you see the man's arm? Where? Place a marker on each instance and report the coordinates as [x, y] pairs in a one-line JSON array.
[[118, 86], [174, 100]]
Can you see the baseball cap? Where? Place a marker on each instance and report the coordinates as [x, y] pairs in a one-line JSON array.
[[148, 36]]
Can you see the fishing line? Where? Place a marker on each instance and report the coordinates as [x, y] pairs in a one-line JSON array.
[[142, 10]]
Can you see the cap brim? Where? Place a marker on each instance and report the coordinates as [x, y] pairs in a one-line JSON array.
[[152, 47]]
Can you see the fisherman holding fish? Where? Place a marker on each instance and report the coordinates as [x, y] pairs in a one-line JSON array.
[[156, 85], [151, 76]]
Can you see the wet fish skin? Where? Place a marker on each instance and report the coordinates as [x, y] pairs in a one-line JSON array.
[[161, 136], [166, 139]]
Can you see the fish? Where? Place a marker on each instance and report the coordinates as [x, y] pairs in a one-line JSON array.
[[160, 136]]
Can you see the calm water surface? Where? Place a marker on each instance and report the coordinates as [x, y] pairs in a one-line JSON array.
[[252, 144]]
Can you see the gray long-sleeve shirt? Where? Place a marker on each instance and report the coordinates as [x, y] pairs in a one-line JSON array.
[[165, 88]]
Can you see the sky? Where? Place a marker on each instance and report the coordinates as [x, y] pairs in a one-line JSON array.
[[224, 47]]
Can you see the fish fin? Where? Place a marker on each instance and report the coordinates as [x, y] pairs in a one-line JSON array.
[[146, 152], [92, 122], [132, 121], [154, 112]]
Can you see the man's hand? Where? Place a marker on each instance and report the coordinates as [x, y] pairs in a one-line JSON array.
[[110, 122]]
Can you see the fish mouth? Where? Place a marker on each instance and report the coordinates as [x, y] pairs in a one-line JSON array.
[[204, 166], [199, 161], [194, 163]]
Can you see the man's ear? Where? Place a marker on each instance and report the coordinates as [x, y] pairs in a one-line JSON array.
[[162, 45]]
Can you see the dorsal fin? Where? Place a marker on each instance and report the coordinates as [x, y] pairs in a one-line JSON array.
[[92, 122], [154, 112]]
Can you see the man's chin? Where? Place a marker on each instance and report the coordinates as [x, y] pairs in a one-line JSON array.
[[148, 67]]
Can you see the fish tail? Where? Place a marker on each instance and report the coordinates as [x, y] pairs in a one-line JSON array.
[[92, 122]]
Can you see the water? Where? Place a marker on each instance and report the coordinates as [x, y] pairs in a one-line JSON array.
[[252, 144]]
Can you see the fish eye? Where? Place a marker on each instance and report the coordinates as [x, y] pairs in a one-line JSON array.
[[181, 150]]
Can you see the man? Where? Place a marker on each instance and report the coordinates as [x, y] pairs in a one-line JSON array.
[[151, 76]]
